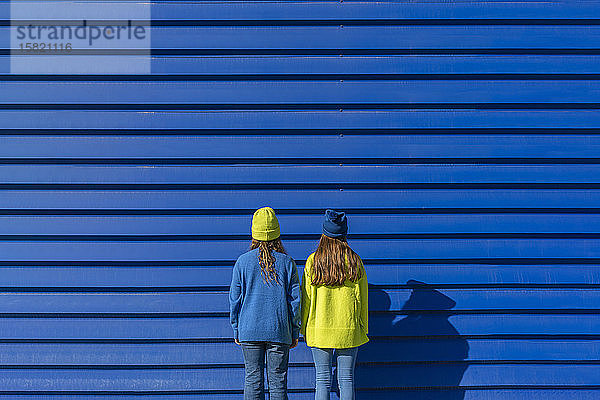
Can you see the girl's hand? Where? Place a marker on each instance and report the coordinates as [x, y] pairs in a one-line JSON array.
[[294, 343], [236, 342]]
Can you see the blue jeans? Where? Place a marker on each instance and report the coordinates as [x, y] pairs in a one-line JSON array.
[[277, 355], [346, 359]]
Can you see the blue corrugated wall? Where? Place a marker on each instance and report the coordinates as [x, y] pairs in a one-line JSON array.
[[461, 137]]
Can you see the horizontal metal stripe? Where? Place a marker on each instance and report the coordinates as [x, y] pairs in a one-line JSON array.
[[376, 65], [17, 251], [114, 277], [117, 287], [194, 67], [229, 340], [295, 161], [292, 132], [339, 52], [170, 177], [120, 393], [315, 237], [139, 316], [456, 121], [348, 22], [170, 289], [538, 393], [324, 10], [278, 148], [480, 306], [422, 299], [378, 352], [417, 313], [182, 21], [34, 354], [299, 77], [367, 211], [588, 390], [297, 225], [299, 106], [298, 186], [385, 326], [441, 376], [201, 367], [221, 263], [203, 200], [470, 393], [374, 37], [300, 93]]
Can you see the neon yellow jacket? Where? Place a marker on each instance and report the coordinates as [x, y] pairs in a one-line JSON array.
[[334, 317]]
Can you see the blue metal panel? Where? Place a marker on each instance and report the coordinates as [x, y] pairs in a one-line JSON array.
[[192, 303], [360, 10], [125, 200], [350, 10], [376, 38], [371, 121], [302, 93], [375, 65], [13, 251], [409, 375], [315, 200], [73, 327], [399, 225], [226, 353], [464, 274], [325, 148], [373, 38], [553, 393], [162, 277], [298, 175], [203, 66]]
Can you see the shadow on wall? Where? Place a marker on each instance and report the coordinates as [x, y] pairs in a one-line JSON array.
[[397, 356]]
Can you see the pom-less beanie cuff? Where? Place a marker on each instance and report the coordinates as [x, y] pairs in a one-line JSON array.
[[266, 234], [331, 234]]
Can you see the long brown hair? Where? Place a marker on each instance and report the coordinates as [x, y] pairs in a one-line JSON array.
[[266, 260], [329, 263]]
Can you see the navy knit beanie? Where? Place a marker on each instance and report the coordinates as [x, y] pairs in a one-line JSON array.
[[335, 224]]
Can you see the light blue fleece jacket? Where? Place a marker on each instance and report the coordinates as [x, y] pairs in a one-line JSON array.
[[261, 311]]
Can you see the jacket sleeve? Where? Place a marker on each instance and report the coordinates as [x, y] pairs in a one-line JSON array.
[[306, 282], [294, 299], [235, 299], [363, 288]]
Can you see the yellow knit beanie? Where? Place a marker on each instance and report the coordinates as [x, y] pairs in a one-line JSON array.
[[265, 225]]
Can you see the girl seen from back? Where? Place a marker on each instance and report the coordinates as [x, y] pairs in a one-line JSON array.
[[334, 307], [264, 299]]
